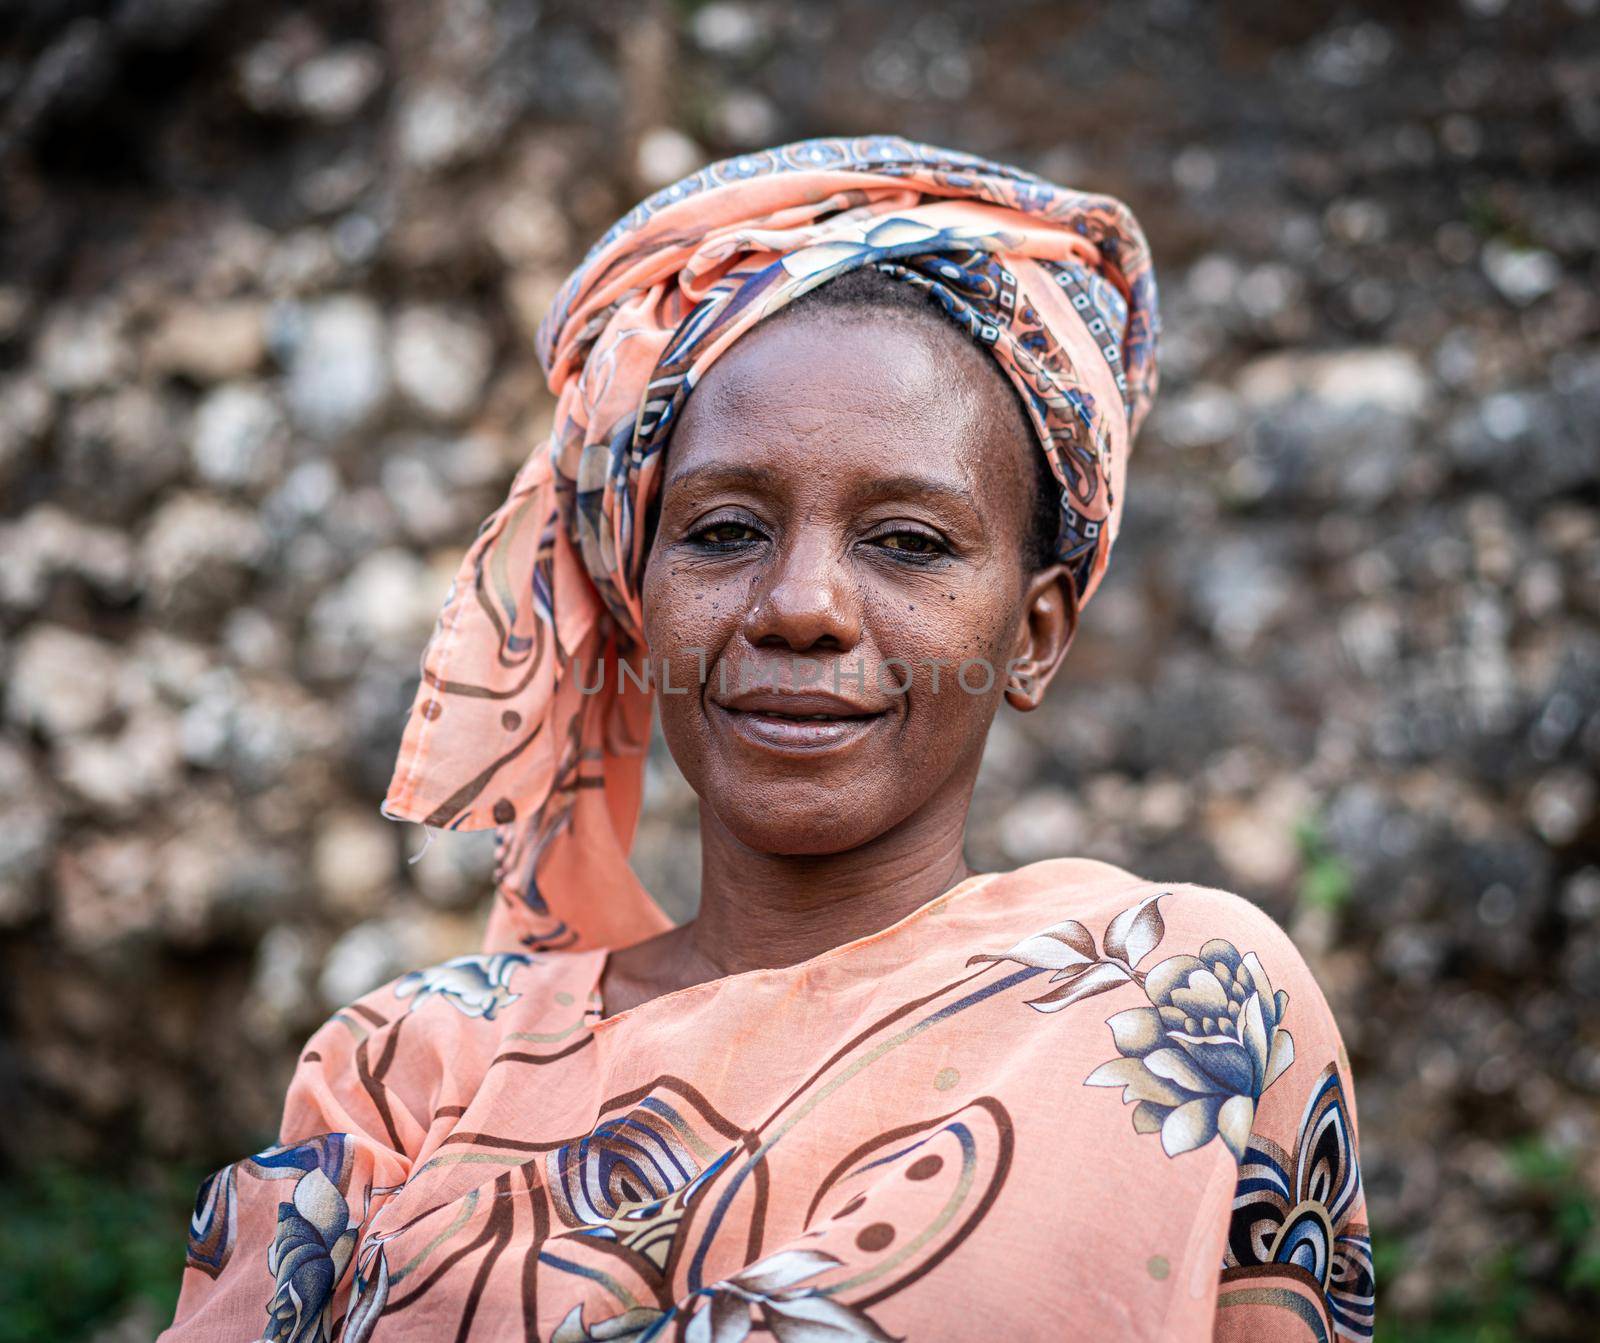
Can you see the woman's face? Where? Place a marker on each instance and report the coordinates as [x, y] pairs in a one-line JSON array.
[[836, 583]]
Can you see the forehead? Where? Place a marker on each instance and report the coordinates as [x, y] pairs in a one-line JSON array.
[[839, 395]]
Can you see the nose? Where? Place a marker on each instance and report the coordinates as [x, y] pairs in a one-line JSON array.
[[804, 599]]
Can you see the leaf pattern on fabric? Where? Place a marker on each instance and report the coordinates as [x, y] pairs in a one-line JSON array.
[[1081, 971], [768, 1292], [370, 1296], [312, 1234], [632, 1326], [788, 1312]]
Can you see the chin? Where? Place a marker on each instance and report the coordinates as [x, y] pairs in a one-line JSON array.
[[804, 820]]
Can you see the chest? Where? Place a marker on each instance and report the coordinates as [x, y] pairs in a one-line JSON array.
[[926, 1173]]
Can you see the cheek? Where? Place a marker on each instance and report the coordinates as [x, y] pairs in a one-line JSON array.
[[940, 629], [683, 610], [688, 621]]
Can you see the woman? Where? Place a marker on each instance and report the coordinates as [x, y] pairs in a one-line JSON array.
[[866, 1093]]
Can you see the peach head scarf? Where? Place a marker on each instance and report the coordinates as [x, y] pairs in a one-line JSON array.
[[1055, 283]]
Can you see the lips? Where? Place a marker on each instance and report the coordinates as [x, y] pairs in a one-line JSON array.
[[803, 721]]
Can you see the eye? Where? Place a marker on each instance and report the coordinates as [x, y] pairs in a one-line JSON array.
[[724, 534], [919, 545]]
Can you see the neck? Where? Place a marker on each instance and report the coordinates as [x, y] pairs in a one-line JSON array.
[[763, 910], [759, 910]]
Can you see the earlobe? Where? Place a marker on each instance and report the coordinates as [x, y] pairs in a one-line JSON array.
[[1020, 688], [1050, 622]]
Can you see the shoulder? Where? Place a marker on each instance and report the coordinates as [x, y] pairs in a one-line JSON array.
[[473, 996], [1208, 913], [487, 986], [1089, 889], [1177, 939], [1185, 912], [424, 1040], [1216, 925], [1224, 959]]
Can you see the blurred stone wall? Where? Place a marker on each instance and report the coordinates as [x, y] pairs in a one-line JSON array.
[[268, 281]]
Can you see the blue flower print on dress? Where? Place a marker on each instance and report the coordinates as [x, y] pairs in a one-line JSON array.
[[476, 985], [1198, 1058], [307, 1259]]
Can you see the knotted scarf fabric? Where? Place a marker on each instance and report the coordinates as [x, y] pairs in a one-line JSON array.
[[508, 729]]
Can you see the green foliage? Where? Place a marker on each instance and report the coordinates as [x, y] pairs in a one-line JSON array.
[[1553, 1175], [1325, 881], [1489, 1311], [80, 1249], [1495, 1306]]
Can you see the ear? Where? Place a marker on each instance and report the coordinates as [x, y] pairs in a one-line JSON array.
[[1049, 621]]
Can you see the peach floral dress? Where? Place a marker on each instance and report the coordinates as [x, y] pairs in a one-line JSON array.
[[1053, 1103], [1060, 1102]]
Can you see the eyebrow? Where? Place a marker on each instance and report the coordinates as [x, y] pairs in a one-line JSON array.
[[901, 485], [907, 485], [721, 473]]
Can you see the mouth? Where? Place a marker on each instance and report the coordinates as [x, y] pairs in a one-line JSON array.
[[797, 727]]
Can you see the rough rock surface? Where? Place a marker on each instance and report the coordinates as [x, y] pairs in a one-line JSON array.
[[267, 289]]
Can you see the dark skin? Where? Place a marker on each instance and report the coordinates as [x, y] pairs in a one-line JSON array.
[[843, 489]]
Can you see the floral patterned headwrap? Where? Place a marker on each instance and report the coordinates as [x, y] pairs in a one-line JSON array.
[[1055, 283]]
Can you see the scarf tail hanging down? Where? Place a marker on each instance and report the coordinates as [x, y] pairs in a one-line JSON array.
[[533, 713]]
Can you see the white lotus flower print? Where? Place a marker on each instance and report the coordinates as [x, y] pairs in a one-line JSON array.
[[1198, 1058]]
